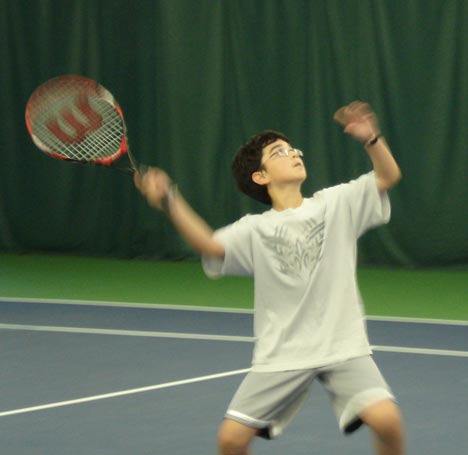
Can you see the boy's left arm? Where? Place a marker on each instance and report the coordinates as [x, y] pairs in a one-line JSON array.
[[360, 122]]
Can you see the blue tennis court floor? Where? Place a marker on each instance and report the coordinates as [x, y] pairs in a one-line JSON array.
[[90, 379]]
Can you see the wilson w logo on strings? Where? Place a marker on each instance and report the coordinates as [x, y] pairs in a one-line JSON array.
[[93, 122]]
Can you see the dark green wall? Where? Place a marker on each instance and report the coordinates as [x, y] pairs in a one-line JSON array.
[[196, 78]]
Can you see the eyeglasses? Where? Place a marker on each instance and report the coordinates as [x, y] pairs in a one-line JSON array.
[[284, 151]]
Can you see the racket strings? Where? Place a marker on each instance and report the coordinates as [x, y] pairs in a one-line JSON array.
[[103, 142], [96, 129]]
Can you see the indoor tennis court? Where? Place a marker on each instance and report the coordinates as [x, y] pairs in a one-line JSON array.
[[115, 376], [113, 340], [118, 380]]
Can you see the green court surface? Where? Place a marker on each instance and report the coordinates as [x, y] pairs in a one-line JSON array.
[[428, 293]]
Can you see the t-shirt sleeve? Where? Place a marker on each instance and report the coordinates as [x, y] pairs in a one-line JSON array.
[[368, 207], [237, 261]]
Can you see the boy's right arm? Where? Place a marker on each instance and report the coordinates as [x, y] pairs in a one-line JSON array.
[[157, 188]]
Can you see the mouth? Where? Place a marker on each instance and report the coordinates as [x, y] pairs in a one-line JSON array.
[[298, 164]]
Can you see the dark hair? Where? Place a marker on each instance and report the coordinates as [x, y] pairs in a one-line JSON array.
[[247, 161]]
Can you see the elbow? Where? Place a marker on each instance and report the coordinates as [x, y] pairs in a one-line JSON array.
[[398, 176], [213, 249], [390, 182]]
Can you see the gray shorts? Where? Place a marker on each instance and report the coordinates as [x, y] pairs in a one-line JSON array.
[[269, 401]]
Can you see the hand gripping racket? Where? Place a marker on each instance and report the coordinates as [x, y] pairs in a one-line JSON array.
[[76, 119]]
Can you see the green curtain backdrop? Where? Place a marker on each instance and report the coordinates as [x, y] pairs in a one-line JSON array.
[[197, 78]]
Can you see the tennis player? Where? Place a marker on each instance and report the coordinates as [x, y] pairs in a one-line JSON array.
[[301, 252]]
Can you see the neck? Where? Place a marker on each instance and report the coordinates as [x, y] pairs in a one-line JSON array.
[[285, 198]]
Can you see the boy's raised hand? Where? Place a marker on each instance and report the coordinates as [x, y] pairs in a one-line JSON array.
[[154, 184], [358, 120]]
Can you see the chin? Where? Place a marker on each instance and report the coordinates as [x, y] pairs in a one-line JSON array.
[[304, 174]]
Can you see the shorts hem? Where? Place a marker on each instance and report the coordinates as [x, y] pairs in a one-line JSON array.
[[350, 420], [265, 429]]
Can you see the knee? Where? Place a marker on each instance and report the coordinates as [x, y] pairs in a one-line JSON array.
[[385, 421], [232, 442], [229, 445], [390, 428]]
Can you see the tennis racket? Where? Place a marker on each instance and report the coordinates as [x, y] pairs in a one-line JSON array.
[[74, 118]]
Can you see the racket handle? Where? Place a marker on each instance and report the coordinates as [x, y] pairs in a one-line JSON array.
[[135, 167], [142, 169], [131, 165]]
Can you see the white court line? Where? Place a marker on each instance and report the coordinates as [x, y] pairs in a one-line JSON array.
[[201, 379], [132, 333], [397, 349], [208, 337], [423, 351], [121, 393], [417, 320], [146, 306], [157, 306]]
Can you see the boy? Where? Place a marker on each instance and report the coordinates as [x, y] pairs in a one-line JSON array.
[[302, 252]]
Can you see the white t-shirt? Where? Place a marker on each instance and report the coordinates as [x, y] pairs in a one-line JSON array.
[[308, 309]]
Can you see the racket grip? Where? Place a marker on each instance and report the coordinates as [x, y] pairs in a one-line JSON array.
[[142, 169]]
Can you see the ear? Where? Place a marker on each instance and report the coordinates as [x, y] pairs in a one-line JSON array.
[[260, 178]]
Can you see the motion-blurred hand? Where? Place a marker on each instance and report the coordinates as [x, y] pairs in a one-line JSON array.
[[358, 120], [154, 184]]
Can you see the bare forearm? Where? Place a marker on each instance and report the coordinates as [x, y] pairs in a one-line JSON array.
[[386, 169], [361, 122], [194, 230], [156, 186]]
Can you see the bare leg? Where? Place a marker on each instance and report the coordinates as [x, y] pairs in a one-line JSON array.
[[385, 421], [235, 438]]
